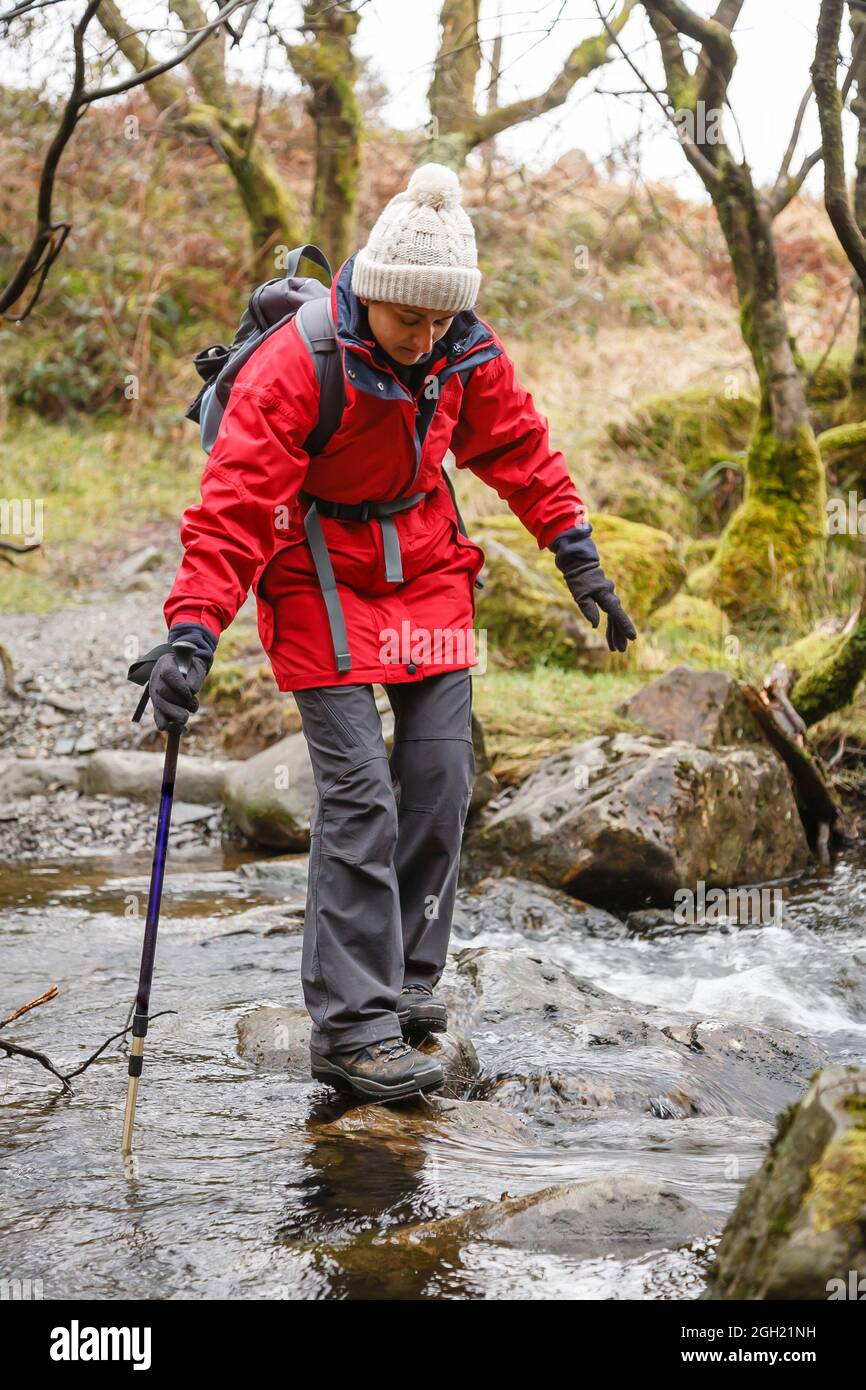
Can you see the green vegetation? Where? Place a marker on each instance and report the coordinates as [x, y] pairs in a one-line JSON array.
[[104, 486], [527, 715]]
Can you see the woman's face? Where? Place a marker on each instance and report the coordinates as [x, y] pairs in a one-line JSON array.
[[405, 332]]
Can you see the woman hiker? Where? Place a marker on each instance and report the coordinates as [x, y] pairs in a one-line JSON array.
[[350, 595]]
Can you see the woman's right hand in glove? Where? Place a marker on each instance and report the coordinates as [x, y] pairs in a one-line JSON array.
[[173, 695]]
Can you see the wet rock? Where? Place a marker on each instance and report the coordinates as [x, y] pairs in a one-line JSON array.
[[458, 1059], [555, 1046], [272, 919], [284, 874], [619, 1214], [628, 820], [138, 776], [706, 708], [532, 909], [657, 921], [799, 1228], [433, 1114], [276, 1040], [22, 777], [270, 797]]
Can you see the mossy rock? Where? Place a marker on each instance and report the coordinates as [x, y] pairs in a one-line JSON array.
[[687, 439], [696, 428], [631, 488], [526, 608], [644, 562], [692, 628], [695, 616], [797, 1231], [697, 552]]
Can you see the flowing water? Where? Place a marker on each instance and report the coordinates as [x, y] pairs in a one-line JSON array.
[[237, 1191]]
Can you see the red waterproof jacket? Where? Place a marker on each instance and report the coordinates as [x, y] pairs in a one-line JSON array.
[[248, 532]]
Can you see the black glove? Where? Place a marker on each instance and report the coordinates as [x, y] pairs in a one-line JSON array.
[[578, 560], [172, 694]]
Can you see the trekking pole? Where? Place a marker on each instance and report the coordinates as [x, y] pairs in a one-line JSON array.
[[183, 651]]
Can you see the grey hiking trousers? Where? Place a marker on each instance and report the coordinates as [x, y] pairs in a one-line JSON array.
[[384, 849]]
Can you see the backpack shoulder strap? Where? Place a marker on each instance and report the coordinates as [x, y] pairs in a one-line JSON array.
[[316, 327]]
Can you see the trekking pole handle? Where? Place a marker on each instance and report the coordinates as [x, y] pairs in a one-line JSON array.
[[183, 653]]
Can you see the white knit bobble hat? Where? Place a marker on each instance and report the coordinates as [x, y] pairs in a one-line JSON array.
[[421, 250]]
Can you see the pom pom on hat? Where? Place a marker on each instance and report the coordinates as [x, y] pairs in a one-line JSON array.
[[435, 185]]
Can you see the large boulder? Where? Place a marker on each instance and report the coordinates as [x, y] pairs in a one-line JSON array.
[[526, 608], [138, 776], [629, 821], [706, 708], [270, 796], [23, 777], [799, 1228]]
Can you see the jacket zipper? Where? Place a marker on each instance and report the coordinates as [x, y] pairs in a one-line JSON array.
[[364, 351]]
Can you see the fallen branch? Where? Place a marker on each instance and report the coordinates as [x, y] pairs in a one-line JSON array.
[[15, 1050], [34, 1004], [783, 728]]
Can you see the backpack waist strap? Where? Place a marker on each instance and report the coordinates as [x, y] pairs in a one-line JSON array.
[[352, 511]]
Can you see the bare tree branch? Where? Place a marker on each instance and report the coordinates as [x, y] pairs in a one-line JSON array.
[[48, 236], [703, 166], [830, 100], [180, 56]]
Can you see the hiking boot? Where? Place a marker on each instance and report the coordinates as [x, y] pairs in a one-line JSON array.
[[420, 1013], [387, 1070]]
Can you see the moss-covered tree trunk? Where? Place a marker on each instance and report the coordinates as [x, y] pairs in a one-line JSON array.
[[770, 555], [213, 115], [857, 404], [328, 66], [769, 560]]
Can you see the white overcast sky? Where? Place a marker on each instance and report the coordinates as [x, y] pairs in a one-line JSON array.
[[774, 39], [775, 42]]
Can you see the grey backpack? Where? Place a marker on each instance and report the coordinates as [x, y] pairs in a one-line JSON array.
[[271, 306]]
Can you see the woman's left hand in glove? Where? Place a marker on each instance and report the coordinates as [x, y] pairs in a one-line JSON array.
[[578, 560]]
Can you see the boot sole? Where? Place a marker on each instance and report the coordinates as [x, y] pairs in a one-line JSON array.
[[334, 1075]]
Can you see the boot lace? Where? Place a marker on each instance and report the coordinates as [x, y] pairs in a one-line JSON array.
[[390, 1047]]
